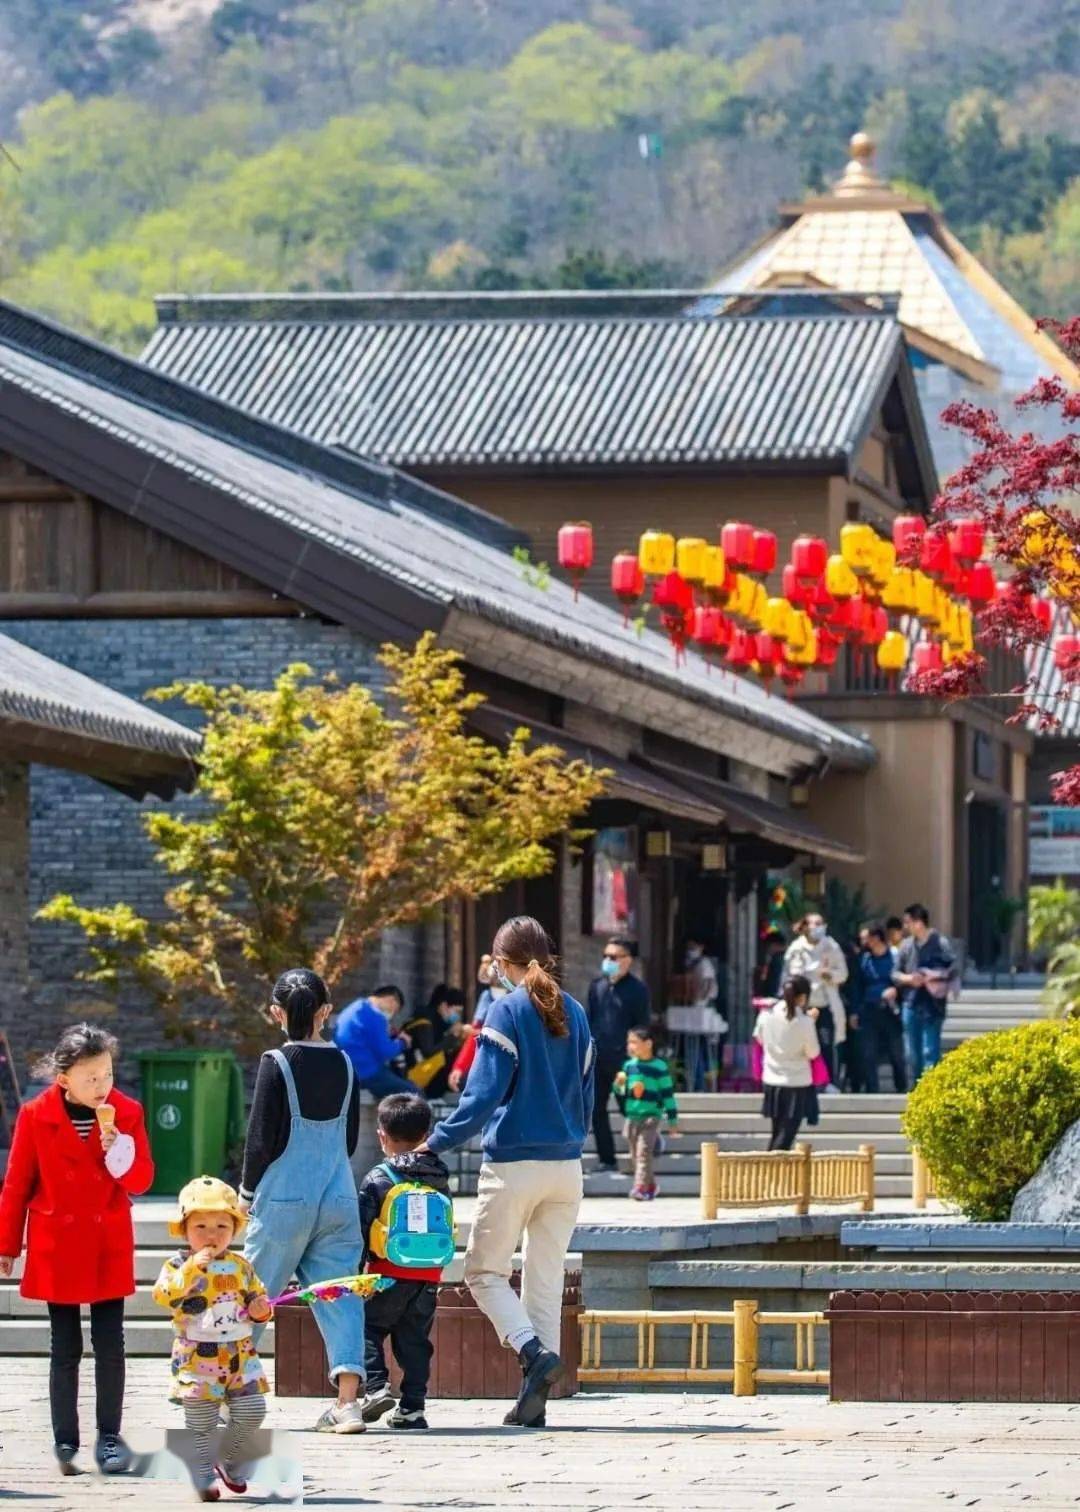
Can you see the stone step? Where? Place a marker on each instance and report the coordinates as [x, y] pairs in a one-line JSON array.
[[831, 1102]]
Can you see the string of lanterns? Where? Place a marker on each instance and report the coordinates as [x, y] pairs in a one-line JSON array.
[[715, 596]]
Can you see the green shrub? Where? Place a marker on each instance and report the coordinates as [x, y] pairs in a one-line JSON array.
[[986, 1118]]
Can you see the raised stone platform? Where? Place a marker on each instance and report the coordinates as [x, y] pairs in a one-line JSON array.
[[948, 1232]]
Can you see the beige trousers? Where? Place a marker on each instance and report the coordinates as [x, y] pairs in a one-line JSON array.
[[538, 1199]]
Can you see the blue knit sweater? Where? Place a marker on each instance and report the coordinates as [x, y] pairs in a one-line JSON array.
[[530, 1092]]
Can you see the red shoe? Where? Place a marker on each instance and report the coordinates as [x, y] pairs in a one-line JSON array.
[[209, 1493], [238, 1487]]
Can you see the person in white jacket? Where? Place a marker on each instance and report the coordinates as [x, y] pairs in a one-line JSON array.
[[814, 954]]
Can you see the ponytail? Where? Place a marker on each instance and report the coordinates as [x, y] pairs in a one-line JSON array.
[[300, 993], [524, 942], [794, 988]]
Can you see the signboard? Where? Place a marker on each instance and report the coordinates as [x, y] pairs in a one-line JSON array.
[[1054, 842]]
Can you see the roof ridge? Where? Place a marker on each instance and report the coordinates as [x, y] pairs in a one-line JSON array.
[[378, 483]]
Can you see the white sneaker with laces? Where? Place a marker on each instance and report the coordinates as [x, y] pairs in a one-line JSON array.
[[377, 1403], [342, 1417]]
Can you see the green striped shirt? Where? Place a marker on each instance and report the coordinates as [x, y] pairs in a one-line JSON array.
[[648, 1091]]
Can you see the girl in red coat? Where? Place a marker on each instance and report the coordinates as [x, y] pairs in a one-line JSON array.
[[78, 1155]]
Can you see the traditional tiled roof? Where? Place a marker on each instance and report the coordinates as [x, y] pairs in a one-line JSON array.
[[379, 563], [539, 380]]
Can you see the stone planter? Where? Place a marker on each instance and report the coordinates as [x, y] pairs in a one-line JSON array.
[[468, 1359], [955, 1346]]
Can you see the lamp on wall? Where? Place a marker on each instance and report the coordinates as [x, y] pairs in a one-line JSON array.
[[714, 856], [657, 843], [813, 882], [799, 794]]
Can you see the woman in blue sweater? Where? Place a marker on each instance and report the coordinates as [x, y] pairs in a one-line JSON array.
[[530, 1091]]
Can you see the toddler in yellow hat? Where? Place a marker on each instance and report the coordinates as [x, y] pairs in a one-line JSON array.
[[215, 1298]]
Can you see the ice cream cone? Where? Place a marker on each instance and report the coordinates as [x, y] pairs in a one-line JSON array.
[[106, 1115]]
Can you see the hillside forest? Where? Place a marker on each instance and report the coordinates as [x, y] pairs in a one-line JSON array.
[[209, 145]]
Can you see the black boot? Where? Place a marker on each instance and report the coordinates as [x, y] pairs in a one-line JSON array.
[[540, 1369]]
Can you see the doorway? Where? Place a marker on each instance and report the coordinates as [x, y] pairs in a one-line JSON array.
[[987, 857]]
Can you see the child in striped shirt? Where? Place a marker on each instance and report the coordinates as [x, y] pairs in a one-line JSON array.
[[646, 1094]]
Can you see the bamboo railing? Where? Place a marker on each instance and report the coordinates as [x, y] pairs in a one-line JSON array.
[[776, 1178], [744, 1374], [922, 1181]]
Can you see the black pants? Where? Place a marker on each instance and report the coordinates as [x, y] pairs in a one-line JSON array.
[[784, 1130], [405, 1313], [107, 1336], [826, 1033], [883, 1037], [606, 1072]]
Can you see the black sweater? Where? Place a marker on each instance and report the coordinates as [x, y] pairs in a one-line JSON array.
[[320, 1071]]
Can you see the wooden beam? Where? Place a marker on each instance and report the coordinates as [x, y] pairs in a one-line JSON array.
[[245, 603], [34, 490], [83, 548]]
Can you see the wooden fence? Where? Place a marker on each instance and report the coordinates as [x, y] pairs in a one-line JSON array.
[[922, 1181], [776, 1178], [744, 1374]]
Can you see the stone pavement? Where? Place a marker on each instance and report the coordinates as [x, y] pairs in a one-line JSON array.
[[694, 1453]]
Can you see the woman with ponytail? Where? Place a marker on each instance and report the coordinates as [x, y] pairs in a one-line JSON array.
[[530, 1092], [305, 1219], [788, 1039]]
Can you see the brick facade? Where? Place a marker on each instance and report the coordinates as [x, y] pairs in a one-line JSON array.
[[88, 840]]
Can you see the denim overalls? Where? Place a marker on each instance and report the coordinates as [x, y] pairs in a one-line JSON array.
[[305, 1222]]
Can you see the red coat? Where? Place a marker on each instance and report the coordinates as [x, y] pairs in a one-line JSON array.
[[80, 1243]]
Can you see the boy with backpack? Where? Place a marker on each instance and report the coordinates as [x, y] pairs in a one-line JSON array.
[[407, 1220]]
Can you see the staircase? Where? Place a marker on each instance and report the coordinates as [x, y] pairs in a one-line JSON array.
[[981, 1010]]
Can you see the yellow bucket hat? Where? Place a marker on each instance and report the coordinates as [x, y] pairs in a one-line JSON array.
[[206, 1194]]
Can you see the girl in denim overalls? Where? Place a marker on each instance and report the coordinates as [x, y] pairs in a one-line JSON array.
[[305, 1219]]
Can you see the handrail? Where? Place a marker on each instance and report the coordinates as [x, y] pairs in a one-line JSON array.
[[775, 1178]]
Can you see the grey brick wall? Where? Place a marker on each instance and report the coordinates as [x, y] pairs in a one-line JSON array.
[[88, 840]]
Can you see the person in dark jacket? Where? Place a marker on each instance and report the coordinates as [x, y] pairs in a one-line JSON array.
[[925, 971], [879, 1014], [618, 1001], [404, 1314]]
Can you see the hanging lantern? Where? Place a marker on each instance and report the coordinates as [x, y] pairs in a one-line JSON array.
[[808, 557], [953, 629], [898, 595], [767, 654], [926, 657], [884, 564], [807, 654], [575, 546], [840, 580], [1067, 654], [674, 597], [935, 557], [821, 606], [737, 544], [759, 600], [714, 570], [656, 553], [828, 649], [875, 627], [926, 599], [1040, 536], [763, 557], [980, 585], [777, 619], [967, 538], [845, 621], [967, 630], [794, 591], [791, 675], [706, 625], [1043, 611], [907, 534], [740, 650], [857, 547], [627, 581], [799, 632], [892, 652], [690, 558]]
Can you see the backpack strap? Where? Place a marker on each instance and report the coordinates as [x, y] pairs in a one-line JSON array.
[[287, 1078]]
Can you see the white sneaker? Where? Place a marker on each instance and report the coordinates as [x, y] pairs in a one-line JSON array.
[[342, 1417], [377, 1403]]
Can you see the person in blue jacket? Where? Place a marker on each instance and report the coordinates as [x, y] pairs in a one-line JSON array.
[[530, 1092], [363, 1032]]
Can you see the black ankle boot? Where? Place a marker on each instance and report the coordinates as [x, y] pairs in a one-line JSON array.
[[540, 1369]]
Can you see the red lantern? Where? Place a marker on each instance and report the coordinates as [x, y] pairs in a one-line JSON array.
[[741, 650], [1043, 611], [980, 585], [846, 619], [674, 597], [828, 648], [820, 604], [935, 557], [707, 625], [576, 551], [808, 557], [767, 651], [907, 534], [926, 657], [737, 544], [1067, 654], [627, 580], [763, 559], [720, 593], [967, 538], [791, 675], [794, 591], [875, 626]]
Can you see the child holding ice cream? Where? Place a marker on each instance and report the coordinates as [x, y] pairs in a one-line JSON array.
[[78, 1156]]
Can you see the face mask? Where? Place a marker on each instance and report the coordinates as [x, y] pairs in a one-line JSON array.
[[504, 981], [610, 968], [816, 933], [452, 1017], [693, 956]]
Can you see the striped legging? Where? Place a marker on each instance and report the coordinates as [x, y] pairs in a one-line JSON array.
[[201, 1418]]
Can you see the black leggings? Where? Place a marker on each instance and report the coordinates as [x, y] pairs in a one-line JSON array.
[[107, 1336], [784, 1131]]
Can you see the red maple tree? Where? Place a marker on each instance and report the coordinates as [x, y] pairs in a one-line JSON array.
[[1024, 489]]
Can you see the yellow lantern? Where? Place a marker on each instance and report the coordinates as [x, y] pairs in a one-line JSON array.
[[777, 619], [898, 595], [805, 655], [857, 546], [759, 600], [927, 599], [884, 560], [799, 631], [741, 601], [690, 558], [1039, 533], [715, 568], [840, 580], [892, 653], [967, 630], [952, 626], [656, 553]]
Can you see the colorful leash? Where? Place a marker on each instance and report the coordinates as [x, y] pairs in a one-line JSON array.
[[332, 1291]]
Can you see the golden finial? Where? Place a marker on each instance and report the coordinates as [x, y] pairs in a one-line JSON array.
[[859, 176]]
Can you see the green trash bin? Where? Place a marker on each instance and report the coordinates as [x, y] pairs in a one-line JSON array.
[[194, 1105]]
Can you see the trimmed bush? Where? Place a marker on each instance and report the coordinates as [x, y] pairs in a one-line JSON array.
[[989, 1114]]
